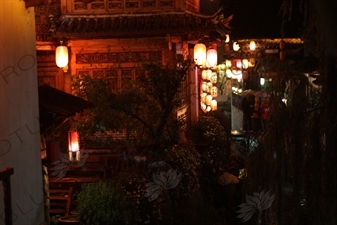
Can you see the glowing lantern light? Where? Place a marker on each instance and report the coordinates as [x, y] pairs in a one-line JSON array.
[[73, 145], [236, 46], [200, 54], [61, 56], [262, 81], [228, 63], [214, 92], [204, 87], [212, 57], [203, 106], [204, 74], [227, 38], [214, 78], [239, 64], [229, 73], [214, 105], [203, 97], [209, 75], [209, 85], [245, 63], [252, 45], [209, 99]]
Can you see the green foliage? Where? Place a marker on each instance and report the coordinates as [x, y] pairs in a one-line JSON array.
[[103, 203], [102, 116], [184, 204], [54, 220], [142, 108], [209, 129]]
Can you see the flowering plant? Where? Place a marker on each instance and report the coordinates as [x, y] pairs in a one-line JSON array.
[[227, 178]]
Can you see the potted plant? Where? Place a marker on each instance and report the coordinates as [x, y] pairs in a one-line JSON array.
[[103, 203]]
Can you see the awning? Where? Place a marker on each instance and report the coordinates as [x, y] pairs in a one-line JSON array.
[[61, 103], [56, 106]]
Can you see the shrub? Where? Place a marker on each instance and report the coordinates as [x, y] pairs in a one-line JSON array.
[[102, 203]]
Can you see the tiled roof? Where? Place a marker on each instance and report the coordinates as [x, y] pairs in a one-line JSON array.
[[141, 25]]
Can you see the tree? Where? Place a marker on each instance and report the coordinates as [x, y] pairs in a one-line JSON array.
[[143, 108], [297, 155]]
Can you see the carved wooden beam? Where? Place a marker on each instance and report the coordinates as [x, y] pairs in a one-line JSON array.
[[33, 3]]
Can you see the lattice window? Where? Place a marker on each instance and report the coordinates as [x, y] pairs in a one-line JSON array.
[[115, 4], [102, 6], [98, 5], [126, 76], [117, 77], [149, 4], [112, 76], [118, 57]]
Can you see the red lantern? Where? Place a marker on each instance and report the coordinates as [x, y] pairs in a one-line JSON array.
[[73, 145]]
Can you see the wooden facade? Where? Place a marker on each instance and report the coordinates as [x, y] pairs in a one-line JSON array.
[[112, 38]]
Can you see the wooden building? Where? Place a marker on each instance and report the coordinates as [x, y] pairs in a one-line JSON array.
[[110, 38]]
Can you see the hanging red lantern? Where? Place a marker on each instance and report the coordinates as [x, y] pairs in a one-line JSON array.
[[73, 145]]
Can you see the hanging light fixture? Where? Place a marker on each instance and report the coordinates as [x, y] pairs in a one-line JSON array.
[[73, 146], [262, 81], [207, 61], [212, 58], [61, 55], [245, 63], [236, 46], [227, 38], [252, 45], [214, 105], [200, 54]]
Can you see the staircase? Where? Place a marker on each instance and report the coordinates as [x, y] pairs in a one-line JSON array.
[[60, 199]]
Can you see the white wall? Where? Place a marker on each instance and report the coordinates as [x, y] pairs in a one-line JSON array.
[[19, 125]]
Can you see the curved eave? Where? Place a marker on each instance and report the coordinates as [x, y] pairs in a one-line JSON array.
[[140, 25]]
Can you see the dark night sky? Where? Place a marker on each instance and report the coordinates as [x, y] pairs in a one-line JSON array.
[[256, 18]]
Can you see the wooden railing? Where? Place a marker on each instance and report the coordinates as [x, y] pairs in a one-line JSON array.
[[6, 184]]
